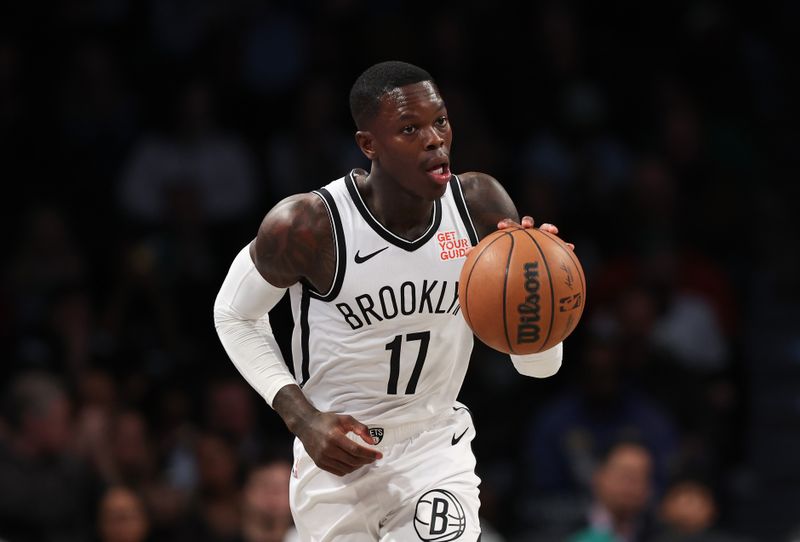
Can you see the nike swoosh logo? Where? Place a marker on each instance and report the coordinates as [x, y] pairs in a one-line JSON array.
[[459, 437], [361, 259]]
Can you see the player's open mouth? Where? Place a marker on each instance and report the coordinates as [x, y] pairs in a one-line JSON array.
[[440, 174]]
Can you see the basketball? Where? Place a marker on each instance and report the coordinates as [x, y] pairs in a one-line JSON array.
[[522, 291]]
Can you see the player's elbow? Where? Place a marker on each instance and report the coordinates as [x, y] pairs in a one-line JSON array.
[[540, 365], [224, 315]]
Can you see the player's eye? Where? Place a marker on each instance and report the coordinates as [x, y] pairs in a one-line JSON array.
[[441, 121], [410, 129]]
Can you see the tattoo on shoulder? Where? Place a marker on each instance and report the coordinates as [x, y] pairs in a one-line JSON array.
[[296, 242]]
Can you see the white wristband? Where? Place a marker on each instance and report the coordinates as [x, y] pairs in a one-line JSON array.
[[541, 364], [241, 316]]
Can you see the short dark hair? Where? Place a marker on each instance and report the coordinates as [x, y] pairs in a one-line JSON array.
[[377, 80]]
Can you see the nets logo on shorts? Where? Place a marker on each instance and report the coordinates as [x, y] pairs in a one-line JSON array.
[[439, 516], [377, 434]]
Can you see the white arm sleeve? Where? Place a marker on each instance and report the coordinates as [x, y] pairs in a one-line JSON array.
[[242, 321], [541, 364]]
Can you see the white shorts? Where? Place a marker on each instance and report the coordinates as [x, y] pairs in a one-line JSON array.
[[424, 488]]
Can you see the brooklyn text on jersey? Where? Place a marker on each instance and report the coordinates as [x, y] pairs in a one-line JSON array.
[[432, 297]]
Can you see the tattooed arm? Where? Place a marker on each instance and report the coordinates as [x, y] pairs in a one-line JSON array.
[[295, 242]]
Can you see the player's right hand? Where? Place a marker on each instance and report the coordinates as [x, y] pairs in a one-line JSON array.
[[325, 440]]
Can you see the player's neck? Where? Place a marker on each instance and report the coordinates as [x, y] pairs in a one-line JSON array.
[[401, 212]]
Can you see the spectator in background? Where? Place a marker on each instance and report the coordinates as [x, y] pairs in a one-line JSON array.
[[215, 510], [622, 487], [47, 256], [688, 512], [140, 318], [179, 262], [266, 516], [96, 406], [71, 322], [47, 492], [176, 430], [689, 327], [569, 434], [181, 191], [122, 516], [45, 276], [134, 462], [673, 309], [61, 336], [197, 158], [232, 412]]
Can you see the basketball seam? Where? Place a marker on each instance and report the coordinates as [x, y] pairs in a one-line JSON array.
[[505, 291], [550, 280], [465, 305]]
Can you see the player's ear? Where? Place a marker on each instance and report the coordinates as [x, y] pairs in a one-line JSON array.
[[366, 142]]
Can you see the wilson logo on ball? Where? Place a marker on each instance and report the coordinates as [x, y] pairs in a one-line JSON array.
[[528, 328]]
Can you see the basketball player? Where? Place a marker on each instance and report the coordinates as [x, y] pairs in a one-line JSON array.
[[380, 349]]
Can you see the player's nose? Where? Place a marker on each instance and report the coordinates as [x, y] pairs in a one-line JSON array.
[[433, 139]]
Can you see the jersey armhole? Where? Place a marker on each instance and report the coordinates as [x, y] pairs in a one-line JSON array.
[[339, 248]]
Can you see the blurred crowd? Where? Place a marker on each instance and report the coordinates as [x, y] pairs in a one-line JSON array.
[[141, 142]]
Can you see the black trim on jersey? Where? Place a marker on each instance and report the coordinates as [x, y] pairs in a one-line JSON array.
[[456, 409], [305, 300], [381, 230], [461, 205], [341, 249]]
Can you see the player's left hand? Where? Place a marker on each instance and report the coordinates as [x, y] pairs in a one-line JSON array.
[[527, 222]]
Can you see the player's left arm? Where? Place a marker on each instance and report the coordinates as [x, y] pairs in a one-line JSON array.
[[491, 208]]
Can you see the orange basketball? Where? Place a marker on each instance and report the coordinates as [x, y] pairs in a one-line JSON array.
[[522, 290]]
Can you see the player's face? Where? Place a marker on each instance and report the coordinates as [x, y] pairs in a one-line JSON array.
[[411, 139]]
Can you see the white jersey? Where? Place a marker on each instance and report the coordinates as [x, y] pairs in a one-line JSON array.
[[387, 343]]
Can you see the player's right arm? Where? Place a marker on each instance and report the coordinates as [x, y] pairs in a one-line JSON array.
[[294, 243]]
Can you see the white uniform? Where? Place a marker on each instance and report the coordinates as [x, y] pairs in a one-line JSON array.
[[388, 345]]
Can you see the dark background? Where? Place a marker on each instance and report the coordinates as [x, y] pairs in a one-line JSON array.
[[141, 142]]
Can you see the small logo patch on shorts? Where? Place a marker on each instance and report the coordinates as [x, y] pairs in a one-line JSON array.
[[377, 434], [439, 516]]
